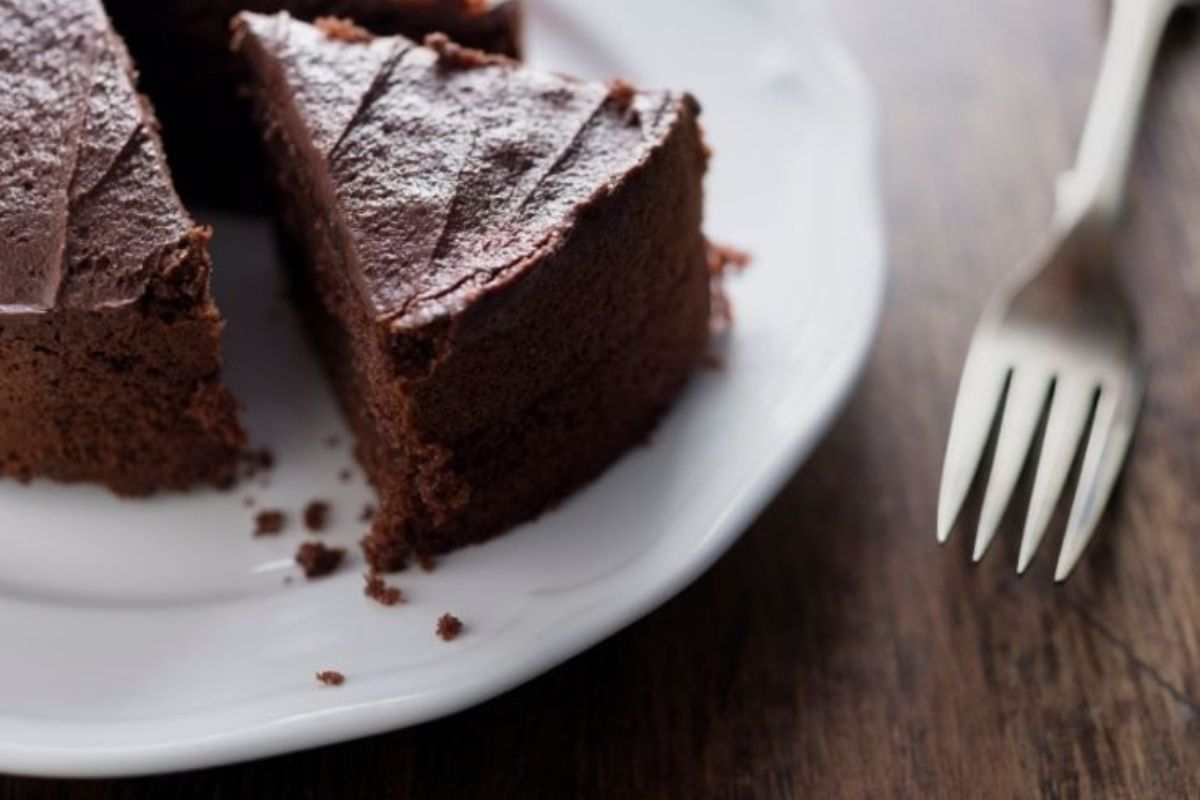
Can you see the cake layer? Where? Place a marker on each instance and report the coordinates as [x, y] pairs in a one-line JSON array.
[[504, 269], [109, 339], [182, 47], [116, 396]]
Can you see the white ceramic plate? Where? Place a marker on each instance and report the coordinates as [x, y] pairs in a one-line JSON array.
[[159, 635]]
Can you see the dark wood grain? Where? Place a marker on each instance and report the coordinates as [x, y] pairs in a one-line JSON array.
[[837, 652]]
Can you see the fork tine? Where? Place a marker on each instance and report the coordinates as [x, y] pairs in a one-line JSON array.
[[1027, 390], [1108, 443], [1068, 417], [979, 394]]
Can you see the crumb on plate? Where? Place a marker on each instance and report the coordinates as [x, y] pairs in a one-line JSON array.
[[449, 627], [317, 560], [378, 590], [331, 677], [316, 515], [269, 522]]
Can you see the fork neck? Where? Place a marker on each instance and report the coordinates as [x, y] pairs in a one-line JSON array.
[[1095, 187]]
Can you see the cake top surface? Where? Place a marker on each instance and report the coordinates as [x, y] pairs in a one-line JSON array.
[[88, 215], [450, 169]]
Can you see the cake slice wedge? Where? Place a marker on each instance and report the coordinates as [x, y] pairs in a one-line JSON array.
[[503, 269], [109, 338]]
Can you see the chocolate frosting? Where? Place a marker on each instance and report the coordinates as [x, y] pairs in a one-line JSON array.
[[88, 215], [451, 170]]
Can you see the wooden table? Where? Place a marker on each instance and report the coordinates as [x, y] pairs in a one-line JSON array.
[[837, 651]]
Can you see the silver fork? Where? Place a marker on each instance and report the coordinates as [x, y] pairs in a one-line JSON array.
[[1062, 335]]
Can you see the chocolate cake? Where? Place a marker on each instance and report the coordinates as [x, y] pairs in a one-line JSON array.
[[503, 269], [109, 339], [182, 48]]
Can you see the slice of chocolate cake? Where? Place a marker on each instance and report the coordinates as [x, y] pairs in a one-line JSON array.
[[109, 339], [503, 269], [182, 48]]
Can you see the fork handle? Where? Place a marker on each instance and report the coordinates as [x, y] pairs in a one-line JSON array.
[[1095, 187]]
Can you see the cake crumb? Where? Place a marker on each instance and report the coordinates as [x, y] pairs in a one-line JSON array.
[[316, 516], [343, 30], [367, 514], [287, 580], [331, 677], [317, 560], [248, 502], [385, 555], [333, 440], [426, 562], [723, 259], [378, 590], [270, 522], [449, 627], [345, 475], [622, 93], [456, 56]]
